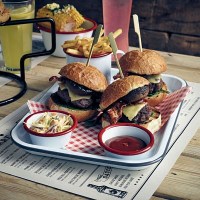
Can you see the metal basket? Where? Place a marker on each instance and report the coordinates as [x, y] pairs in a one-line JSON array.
[[21, 79]]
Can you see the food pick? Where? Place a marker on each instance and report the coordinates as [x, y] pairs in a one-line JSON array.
[[114, 50], [137, 29], [95, 40]]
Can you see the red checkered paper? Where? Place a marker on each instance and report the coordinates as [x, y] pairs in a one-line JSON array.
[[35, 106], [171, 102], [84, 139]]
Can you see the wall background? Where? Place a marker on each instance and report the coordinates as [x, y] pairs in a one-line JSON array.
[[166, 25]]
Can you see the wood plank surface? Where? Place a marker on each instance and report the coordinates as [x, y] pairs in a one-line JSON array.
[[183, 180]]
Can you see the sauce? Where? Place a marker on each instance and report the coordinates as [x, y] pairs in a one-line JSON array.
[[126, 143]]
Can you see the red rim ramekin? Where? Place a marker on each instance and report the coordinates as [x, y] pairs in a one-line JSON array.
[[50, 134], [76, 32], [129, 153]]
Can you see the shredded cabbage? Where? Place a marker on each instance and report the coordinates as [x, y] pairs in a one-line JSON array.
[[52, 123]]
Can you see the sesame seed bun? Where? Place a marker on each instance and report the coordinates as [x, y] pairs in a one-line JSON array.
[[88, 76], [120, 88], [147, 62]]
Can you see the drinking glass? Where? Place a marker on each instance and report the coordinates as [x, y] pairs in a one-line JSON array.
[[16, 40], [116, 14]]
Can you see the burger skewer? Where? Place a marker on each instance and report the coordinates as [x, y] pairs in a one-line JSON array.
[[137, 29], [114, 50], [95, 40]]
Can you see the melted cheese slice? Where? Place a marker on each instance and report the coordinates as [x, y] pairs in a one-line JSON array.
[[72, 95], [153, 78], [131, 111]]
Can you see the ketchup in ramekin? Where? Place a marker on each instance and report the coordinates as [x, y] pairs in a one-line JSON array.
[[126, 141]]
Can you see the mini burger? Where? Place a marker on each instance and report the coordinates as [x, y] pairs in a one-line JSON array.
[[122, 101], [150, 65], [80, 90]]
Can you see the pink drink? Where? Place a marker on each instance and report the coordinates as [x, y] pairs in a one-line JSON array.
[[116, 14]]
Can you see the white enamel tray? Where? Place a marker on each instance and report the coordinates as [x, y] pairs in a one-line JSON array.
[[162, 138]]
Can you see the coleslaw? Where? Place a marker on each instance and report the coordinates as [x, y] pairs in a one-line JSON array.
[[52, 123]]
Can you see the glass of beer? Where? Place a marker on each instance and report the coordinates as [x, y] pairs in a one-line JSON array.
[[16, 40], [116, 14]]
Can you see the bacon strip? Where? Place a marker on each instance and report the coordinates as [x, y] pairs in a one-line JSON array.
[[53, 78], [115, 113]]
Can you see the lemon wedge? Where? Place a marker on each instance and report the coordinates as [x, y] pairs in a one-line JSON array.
[[21, 13], [20, 10]]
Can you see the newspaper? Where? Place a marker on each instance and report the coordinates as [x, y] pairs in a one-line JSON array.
[[93, 181]]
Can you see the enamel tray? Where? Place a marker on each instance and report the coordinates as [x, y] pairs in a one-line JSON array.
[[162, 138]]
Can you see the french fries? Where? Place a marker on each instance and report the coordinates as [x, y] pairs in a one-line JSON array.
[[81, 46]]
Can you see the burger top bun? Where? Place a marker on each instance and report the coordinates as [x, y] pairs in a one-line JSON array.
[[4, 13], [147, 62], [87, 76], [120, 88]]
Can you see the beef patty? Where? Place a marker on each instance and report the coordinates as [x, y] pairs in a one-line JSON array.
[[136, 94], [142, 116]]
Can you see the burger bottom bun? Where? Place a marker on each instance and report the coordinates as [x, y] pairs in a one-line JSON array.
[[154, 100], [153, 124], [81, 115]]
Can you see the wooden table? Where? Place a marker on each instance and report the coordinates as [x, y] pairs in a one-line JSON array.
[[182, 182]]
